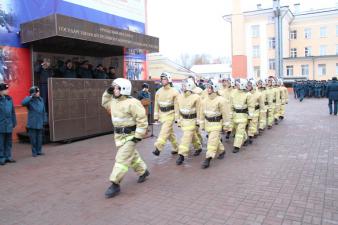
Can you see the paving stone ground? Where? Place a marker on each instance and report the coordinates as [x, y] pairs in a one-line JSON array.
[[288, 176]]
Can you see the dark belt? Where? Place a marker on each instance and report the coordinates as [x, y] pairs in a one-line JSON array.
[[167, 109], [241, 110], [214, 119], [256, 107], [124, 130], [274, 101], [266, 103], [189, 116]]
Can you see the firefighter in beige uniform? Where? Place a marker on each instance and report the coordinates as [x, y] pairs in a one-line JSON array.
[[256, 100], [213, 119], [284, 98], [130, 125], [164, 111], [278, 101], [271, 97], [242, 110], [188, 106], [225, 92], [263, 110]]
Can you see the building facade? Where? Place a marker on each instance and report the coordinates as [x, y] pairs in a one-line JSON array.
[[308, 42]]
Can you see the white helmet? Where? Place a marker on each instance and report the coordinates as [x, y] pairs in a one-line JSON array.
[[189, 84], [213, 82], [166, 75], [243, 83], [280, 82], [262, 82], [253, 83], [124, 84], [232, 82], [273, 82]]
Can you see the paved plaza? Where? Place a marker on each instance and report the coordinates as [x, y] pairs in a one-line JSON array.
[[288, 176]]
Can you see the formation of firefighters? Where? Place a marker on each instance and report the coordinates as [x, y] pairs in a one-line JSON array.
[[242, 108]]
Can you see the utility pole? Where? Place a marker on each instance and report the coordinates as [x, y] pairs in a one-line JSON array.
[[278, 38]]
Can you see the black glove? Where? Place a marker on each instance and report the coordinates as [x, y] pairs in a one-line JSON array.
[[110, 90], [135, 140]]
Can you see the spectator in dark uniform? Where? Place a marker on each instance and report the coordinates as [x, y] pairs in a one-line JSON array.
[[112, 73], [84, 70], [99, 73], [36, 119], [68, 71], [7, 124], [332, 94], [44, 72]]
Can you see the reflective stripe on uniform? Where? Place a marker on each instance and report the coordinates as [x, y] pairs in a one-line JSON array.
[[139, 160], [140, 130], [121, 166], [187, 128], [164, 104], [212, 147], [161, 141], [188, 111], [183, 147], [119, 119]]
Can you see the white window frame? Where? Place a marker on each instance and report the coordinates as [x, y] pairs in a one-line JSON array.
[[272, 64], [336, 69], [289, 71], [293, 34], [307, 51], [257, 71], [256, 51], [336, 49], [307, 33], [322, 50], [293, 53], [336, 30], [272, 43], [255, 31], [321, 69], [305, 70], [323, 32]]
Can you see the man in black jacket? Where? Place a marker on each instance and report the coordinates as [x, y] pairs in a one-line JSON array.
[[332, 94]]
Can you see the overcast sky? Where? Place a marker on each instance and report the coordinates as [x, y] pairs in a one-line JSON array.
[[197, 26]]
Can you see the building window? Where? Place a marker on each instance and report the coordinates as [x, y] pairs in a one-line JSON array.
[[321, 69], [307, 33], [289, 71], [257, 71], [336, 69], [272, 64], [322, 50], [308, 51], [255, 51], [255, 31], [293, 34], [336, 30], [272, 43], [293, 52], [323, 32], [305, 70], [336, 49]]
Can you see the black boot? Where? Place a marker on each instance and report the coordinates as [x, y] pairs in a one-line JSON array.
[[143, 177], [221, 156], [10, 161], [197, 152], [246, 142], [206, 163], [276, 122], [113, 190], [228, 135], [180, 160], [156, 152], [250, 141], [236, 149], [269, 127], [281, 117], [174, 152]]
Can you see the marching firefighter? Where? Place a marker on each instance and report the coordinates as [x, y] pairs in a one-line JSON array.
[[284, 99], [256, 100], [242, 110], [164, 111], [271, 97], [213, 120], [278, 101], [263, 109], [130, 125], [188, 106], [225, 92]]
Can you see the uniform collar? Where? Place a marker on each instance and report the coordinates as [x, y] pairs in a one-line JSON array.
[[187, 93], [212, 96]]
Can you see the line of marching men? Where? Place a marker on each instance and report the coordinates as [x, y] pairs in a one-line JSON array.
[[244, 108]]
